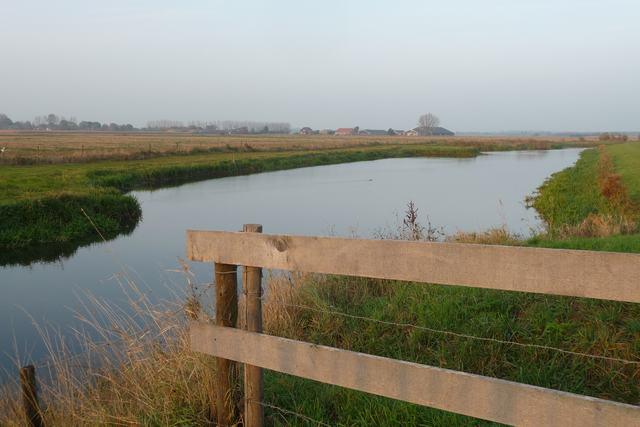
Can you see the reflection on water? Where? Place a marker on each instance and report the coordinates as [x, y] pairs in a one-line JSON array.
[[457, 194]]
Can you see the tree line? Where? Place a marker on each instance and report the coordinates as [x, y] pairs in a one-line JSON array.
[[221, 126], [55, 122]]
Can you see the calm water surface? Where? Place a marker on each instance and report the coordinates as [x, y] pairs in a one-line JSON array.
[[361, 198]]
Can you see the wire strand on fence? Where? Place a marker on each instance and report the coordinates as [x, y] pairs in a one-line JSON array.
[[289, 412], [460, 335]]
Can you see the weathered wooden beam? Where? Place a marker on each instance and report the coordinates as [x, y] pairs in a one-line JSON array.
[[468, 394], [227, 381], [253, 376], [603, 275], [29, 390]]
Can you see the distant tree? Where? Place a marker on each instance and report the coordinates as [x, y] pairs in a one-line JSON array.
[[52, 120], [22, 125], [427, 122], [391, 132], [86, 125], [67, 125], [356, 130], [5, 121]]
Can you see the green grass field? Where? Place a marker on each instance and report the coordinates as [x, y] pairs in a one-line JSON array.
[[575, 324]]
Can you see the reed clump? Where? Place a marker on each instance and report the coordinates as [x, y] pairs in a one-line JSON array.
[[493, 236], [123, 366]]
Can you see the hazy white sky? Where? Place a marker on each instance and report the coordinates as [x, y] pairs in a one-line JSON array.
[[488, 65]]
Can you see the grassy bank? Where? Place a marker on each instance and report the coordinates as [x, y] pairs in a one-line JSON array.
[[594, 204], [40, 206], [570, 196]]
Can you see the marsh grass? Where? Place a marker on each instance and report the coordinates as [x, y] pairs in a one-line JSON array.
[[124, 365], [493, 236]]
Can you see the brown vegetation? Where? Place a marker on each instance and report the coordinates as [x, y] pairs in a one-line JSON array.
[[610, 182], [63, 147], [492, 236]]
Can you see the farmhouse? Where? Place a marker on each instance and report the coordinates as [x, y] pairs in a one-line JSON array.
[[345, 131], [424, 131]]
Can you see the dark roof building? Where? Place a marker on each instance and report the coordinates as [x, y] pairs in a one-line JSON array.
[[306, 130], [436, 131], [377, 132]]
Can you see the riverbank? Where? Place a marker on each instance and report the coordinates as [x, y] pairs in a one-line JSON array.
[[51, 206], [595, 204]]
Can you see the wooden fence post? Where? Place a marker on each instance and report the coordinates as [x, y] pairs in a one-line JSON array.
[[227, 386], [253, 377], [30, 396]]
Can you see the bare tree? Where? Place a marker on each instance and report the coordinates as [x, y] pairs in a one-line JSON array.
[[427, 122]]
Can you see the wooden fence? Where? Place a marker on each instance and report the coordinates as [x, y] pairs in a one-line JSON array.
[[602, 275]]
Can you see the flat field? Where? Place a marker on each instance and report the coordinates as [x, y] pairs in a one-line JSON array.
[[63, 147]]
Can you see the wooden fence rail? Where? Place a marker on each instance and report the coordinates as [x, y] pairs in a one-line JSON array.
[[600, 275], [468, 394]]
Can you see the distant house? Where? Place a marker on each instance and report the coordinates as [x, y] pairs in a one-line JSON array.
[[345, 131], [242, 130], [376, 132], [436, 131], [306, 131]]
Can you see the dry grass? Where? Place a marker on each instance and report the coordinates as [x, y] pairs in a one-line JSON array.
[[492, 236], [64, 147], [128, 367], [133, 365], [598, 225]]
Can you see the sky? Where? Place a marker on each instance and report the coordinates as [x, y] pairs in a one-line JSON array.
[[485, 66]]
